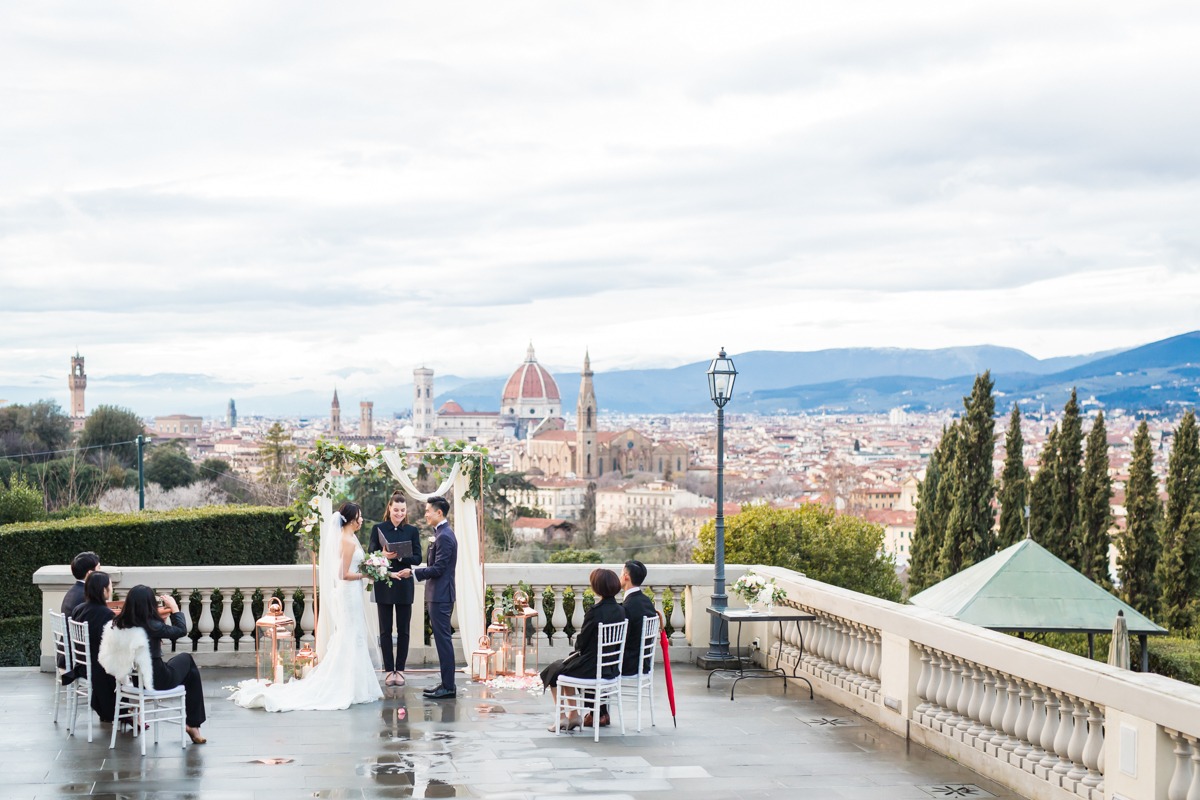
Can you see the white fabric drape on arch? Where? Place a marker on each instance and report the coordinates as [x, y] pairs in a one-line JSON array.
[[329, 564], [468, 575]]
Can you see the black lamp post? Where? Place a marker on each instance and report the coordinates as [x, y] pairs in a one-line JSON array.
[[721, 375]]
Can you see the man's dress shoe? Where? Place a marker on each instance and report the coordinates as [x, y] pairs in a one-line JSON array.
[[431, 690], [442, 693]]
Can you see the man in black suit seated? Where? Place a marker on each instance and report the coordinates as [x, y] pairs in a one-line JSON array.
[[82, 565], [638, 605]]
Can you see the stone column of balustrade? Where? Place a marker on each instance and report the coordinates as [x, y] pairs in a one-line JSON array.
[[945, 676], [810, 629], [1011, 722], [923, 684], [1024, 746], [558, 620], [225, 623], [1049, 734], [816, 645], [1194, 787], [1062, 738], [577, 611], [854, 653], [308, 620], [953, 691], [245, 621], [876, 662], [842, 660], [975, 717], [999, 735], [184, 644], [1094, 747], [1181, 778], [1079, 735], [1037, 721], [206, 624], [678, 621]]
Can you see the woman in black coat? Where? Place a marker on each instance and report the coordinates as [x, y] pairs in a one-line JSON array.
[[94, 610], [162, 619], [581, 663], [395, 601]]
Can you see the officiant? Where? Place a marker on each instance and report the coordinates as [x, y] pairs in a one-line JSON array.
[[403, 543]]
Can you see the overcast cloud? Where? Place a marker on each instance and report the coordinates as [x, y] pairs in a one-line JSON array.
[[276, 195]]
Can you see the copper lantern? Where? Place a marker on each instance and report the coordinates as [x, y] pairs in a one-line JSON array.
[[275, 643], [520, 645], [482, 660], [306, 659]]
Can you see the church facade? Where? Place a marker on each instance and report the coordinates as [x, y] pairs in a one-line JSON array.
[[588, 453]]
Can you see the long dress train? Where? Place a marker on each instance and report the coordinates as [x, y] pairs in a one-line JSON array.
[[344, 676]]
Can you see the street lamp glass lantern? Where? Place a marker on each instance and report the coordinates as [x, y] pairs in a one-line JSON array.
[[721, 375]]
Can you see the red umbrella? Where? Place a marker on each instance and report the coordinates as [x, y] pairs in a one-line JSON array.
[[666, 655]]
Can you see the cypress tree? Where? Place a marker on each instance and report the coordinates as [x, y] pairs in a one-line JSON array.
[[1095, 506], [1014, 484], [923, 556], [1138, 545], [969, 539], [1181, 528], [1067, 475], [1041, 494], [947, 488]]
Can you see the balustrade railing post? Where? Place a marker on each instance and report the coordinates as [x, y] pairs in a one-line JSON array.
[[1079, 735], [1094, 746], [559, 620], [923, 683], [678, 636], [1066, 729], [1025, 714], [225, 623], [245, 620], [1037, 721], [1050, 730], [577, 611]]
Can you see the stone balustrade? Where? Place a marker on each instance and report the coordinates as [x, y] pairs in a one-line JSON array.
[[217, 636], [1044, 723]]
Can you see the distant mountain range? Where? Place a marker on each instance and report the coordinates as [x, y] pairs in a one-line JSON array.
[[1157, 376], [1153, 376]]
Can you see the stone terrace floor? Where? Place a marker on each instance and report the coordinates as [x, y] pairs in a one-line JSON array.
[[487, 743]]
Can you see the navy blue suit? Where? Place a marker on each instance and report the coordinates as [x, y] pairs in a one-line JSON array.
[[440, 596]]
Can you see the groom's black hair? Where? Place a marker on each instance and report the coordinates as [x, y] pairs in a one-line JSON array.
[[441, 504]]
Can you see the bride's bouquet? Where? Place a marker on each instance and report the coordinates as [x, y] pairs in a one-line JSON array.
[[375, 567]]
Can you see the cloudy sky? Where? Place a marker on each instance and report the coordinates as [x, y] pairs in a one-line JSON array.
[[263, 196]]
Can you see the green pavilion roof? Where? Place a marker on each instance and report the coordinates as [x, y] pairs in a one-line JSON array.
[[1027, 588]]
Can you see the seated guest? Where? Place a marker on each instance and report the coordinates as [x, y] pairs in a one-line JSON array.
[[638, 605], [581, 663], [94, 610], [81, 566], [150, 622]]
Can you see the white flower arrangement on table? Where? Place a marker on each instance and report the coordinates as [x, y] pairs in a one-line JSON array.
[[757, 589], [375, 566]]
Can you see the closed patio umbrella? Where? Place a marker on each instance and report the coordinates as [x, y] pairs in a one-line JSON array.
[[1118, 649]]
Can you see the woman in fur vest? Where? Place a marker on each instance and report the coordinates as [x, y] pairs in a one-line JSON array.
[[159, 619]]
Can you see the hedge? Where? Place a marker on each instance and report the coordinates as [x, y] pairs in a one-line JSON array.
[[1175, 657], [20, 641], [213, 536]]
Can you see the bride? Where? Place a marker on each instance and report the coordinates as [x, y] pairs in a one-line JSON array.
[[344, 674]]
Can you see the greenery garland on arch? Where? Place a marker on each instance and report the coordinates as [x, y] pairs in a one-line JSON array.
[[315, 472]]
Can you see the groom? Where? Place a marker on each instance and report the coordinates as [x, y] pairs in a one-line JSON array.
[[439, 594]]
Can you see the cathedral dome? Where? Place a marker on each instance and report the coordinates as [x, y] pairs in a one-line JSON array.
[[530, 382]]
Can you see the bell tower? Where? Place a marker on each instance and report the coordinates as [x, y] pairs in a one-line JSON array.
[[335, 414], [366, 422], [586, 449], [424, 417], [77, 382]]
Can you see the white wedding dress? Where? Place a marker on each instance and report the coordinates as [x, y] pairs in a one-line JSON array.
[[343, 676]]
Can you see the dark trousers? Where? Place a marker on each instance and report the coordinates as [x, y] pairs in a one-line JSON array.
[[439, 620], [403, 615], [183, 670]]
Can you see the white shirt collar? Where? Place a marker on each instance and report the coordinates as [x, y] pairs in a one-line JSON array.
[[630, 591]]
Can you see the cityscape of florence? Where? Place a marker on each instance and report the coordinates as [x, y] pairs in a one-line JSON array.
[[774, 403]]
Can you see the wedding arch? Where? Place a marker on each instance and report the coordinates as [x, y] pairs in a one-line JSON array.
[[463, 468]]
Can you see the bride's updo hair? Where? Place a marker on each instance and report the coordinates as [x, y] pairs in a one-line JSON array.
[[349, 512]]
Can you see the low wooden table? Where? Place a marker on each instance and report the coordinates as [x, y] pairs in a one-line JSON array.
[[744, 672]]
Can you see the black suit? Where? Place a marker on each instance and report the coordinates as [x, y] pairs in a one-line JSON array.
[[181, 669], [440, 595], [104, 686], [582, 662], [395, 601], [638, 606], [72, 598]]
